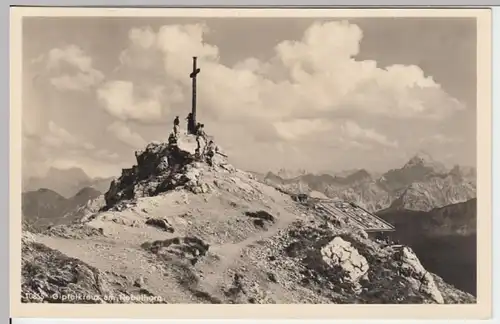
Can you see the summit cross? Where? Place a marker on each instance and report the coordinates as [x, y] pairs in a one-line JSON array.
[[193, 77]]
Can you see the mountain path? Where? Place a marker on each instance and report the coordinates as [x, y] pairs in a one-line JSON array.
[[231, 253], [120, 251]]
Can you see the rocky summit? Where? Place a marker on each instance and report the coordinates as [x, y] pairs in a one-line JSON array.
[[176, 229]]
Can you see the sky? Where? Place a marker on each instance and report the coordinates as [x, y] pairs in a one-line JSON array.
[[315, 94]]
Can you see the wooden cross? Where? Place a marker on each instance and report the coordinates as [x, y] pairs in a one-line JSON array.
[[193, 77]]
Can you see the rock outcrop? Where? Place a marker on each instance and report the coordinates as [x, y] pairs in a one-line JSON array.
[[339, 253], [161, 167], [419, 278]]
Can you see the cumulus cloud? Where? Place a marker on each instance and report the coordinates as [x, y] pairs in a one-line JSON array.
[[155, 66], [103, 154], [93, 167], [353, 131], [439, 139], [126, 135], [57, 137], [122, 100], [343, 132], [298, 128], [317, 74], [139, 54], [285, 102], [309, 95], [56, 143], [70, 68]]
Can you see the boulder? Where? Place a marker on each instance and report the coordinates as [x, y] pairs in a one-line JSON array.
[[420, 279], [340, 253]]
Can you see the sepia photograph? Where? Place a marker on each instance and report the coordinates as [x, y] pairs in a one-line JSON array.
[[198, 159]]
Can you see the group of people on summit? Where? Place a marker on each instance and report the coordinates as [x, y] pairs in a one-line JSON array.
[[198, 130]]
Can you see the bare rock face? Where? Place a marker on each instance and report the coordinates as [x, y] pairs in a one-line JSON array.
[[342, 254], [149, 176], [162, 167], [420, 278]]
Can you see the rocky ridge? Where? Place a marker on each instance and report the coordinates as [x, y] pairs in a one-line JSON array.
[[421, 184], [66, 182], [44, 207], [174, 229]]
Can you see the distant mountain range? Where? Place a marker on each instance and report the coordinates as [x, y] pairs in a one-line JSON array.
[[444, 238], [66, 182], [421, 184], [45, 207], [288, 174]]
